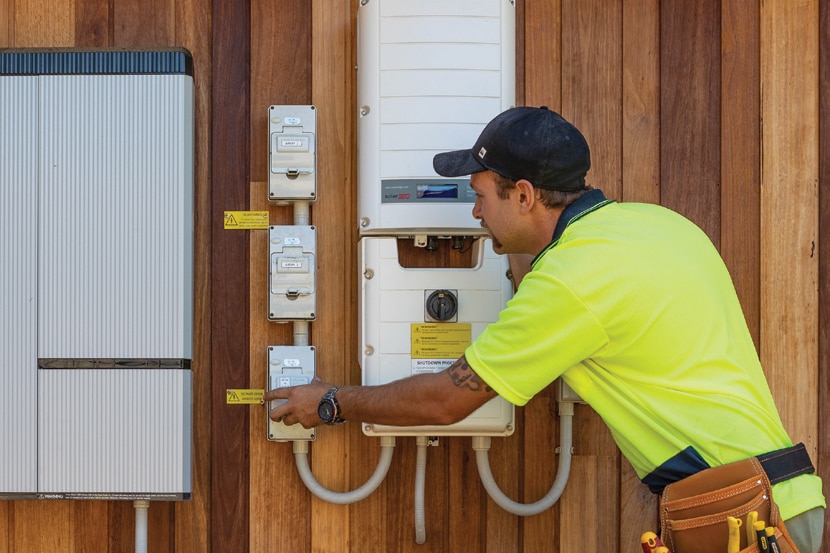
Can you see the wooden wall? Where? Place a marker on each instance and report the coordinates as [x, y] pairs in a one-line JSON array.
[[719, 109]]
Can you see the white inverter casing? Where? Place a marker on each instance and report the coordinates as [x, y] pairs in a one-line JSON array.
[[431, 74], [97, 275], [393, 340]]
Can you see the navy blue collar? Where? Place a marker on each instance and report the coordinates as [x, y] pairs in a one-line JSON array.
[[588, 202]]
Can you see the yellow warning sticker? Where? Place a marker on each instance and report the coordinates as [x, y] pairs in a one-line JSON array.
[[440, 341], [244, 397], [246, 220]]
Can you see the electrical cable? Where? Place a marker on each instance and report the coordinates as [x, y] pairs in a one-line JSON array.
[[387, 448], [481, 445]]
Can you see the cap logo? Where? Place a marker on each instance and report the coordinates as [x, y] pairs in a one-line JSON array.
[[482, 152]]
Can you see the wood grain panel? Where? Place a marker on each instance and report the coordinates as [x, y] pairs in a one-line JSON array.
[[88, 534], [332, 85], [592, 84], [6, 508], [638, 509], [230, 278], [120, 520], [30, 520], [789, 212], [149, 23], [467, 512], [740, 154], [6, 24], [823, 461], [690, 112], [581, 505], [368, 531], [92, 23], [641, 101], [542, 28], [41, 23]]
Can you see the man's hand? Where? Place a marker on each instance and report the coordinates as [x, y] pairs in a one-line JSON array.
[[301, 404]]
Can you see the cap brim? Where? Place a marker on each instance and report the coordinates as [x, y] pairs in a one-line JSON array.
[[456, 164]]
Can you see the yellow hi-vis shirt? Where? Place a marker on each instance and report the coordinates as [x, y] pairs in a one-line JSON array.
[[632, 305]]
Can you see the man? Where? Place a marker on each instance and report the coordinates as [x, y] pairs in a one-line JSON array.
[[630, 303]]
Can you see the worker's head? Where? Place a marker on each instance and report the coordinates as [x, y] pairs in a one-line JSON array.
[[535, 144]]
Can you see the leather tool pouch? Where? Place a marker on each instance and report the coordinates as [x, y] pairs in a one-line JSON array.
[[693, 511]]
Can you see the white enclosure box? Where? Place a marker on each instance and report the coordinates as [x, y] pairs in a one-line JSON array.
[[292, 154], [96, 284], [400, 338], [289, 366], [431, 74], [292, 273]]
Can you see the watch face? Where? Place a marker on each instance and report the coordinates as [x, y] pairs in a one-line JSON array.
[[326, 412]]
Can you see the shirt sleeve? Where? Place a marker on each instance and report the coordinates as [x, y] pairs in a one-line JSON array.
[[544, 330]]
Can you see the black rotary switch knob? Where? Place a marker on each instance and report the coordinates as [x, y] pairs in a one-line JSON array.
[[442, 305]]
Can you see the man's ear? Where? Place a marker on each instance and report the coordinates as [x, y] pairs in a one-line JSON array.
[[526, 195]]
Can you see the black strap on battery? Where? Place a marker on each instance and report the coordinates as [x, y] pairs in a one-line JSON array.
[[786, 463]]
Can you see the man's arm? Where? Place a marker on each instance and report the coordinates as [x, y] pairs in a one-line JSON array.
[[426, 399]]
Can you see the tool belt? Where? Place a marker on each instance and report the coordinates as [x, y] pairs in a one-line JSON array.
[[694, 511]]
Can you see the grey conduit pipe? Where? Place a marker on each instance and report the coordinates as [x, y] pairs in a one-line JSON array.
[[387, 448], [141, 507], [422, 442], [481, 445]]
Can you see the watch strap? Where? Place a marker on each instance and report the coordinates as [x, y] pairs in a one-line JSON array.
[[329, 397]]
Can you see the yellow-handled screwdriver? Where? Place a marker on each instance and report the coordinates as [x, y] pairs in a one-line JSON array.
[[751, 519], [734, 543]]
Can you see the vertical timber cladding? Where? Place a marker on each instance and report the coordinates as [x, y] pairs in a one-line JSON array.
[[112, 251]]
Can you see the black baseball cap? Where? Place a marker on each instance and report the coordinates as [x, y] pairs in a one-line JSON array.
[[536, 144]]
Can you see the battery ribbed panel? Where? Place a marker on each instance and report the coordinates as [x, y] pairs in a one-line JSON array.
[[18, 290], [115, 247], [111, 432], [97, 61]]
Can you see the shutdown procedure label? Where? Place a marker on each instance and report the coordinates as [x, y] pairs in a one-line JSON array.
[[436, 346]]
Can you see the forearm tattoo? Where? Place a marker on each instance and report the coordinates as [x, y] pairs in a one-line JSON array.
[[463, 376]]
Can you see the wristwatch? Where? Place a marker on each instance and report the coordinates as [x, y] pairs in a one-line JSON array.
[[329, 409]]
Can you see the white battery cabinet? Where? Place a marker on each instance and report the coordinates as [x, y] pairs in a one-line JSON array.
[[96, 284]]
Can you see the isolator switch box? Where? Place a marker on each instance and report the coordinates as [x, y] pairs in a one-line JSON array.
[[292, 154], [289, 366], [292, 290], [565, 394]]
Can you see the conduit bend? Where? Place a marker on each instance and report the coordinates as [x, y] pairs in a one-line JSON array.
[[481, 445], [387, 448]]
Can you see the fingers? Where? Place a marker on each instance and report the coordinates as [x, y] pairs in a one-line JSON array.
[[277, 393], [296, 404]]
